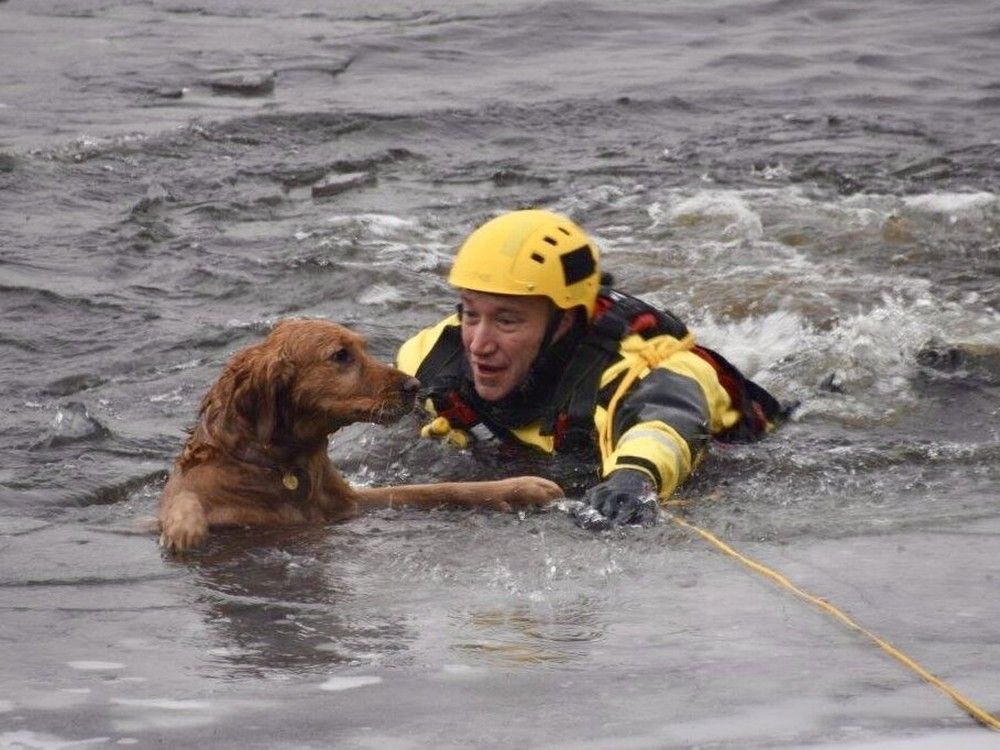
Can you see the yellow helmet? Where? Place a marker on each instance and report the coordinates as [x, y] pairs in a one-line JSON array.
[[530, 252]]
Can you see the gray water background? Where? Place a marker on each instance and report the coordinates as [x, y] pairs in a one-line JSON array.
[[811, 184]]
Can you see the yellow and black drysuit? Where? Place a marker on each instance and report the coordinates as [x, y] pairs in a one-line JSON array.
[[631, 385]]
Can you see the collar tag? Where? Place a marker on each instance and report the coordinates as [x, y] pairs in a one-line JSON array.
[[290, 481]]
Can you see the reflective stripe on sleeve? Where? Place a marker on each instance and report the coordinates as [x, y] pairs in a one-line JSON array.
[[657, 444]]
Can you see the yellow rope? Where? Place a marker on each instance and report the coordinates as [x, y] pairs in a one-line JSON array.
[[650, 356], [971, 708]]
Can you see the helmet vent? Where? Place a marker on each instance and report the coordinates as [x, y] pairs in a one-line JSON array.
[[564, 230], [551, 241], [538, 257], [578, 264]]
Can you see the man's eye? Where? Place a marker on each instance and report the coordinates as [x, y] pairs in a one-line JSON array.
[[342, 357]]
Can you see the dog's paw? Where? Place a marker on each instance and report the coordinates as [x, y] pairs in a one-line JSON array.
[[182, 536], [524, 492], [183, 524]]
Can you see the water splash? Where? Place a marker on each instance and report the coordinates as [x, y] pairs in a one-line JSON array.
[[72, 423]]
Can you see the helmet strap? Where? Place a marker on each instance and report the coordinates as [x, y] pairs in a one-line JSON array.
[[553, 353], [555, 319]]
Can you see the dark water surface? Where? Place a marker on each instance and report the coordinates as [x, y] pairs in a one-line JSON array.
[[812, 184]]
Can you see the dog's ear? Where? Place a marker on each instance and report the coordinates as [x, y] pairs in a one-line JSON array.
[[260, 396]]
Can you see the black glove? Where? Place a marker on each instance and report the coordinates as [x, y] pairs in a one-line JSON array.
[[627, 496]]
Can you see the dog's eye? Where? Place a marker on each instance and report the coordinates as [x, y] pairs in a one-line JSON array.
[[342, 357]]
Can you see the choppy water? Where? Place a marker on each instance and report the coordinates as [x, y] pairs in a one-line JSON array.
[[812, 184]]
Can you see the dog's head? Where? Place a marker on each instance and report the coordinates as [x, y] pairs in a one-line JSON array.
[[305, 380]]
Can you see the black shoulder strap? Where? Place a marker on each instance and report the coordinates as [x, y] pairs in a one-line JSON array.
[[577, 393], [440, 376], [443, 358], [630, 314]]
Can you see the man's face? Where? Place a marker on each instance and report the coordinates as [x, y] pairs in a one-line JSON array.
[[501, 335]]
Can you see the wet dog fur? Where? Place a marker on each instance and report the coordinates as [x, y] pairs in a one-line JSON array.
[[258, 454]]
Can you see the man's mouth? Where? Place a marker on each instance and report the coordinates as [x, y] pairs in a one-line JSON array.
[[485, 372]]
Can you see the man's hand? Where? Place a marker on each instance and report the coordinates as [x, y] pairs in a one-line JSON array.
[[627, 496]]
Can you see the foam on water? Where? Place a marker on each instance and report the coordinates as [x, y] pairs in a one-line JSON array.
[[379, 294], [755, 344], [379, 225], [750, 213], [726, 213], [864, 364], [952, 203], [875, 351]]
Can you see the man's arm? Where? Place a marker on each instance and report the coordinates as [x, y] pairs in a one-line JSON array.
[[659, 432]]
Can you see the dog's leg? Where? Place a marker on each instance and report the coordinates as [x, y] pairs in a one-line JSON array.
[[183, 523], [501, 494]]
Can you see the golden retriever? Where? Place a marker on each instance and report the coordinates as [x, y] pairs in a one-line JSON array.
[[258, 454]]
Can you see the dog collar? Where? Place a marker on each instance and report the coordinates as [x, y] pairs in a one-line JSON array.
[[291, 478]]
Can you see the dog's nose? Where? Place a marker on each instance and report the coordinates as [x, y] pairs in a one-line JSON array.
[[410, 387]]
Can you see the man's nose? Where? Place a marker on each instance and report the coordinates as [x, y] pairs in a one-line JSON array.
[[482, 340]]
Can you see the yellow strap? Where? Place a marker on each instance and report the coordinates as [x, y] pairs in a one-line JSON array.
[[977, 713], [650, 356]]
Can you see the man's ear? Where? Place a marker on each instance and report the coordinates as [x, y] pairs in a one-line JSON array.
[[566, 322]]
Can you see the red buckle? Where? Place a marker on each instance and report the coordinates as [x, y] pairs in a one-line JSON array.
[[559, 429], [458, 413], [643, 322]]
